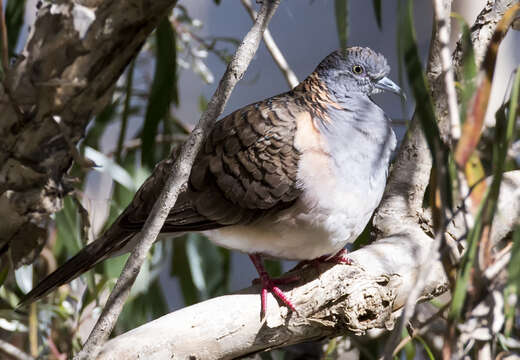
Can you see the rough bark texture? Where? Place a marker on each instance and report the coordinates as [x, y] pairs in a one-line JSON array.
[[71, 61], [177, 178], [339, 300], [67, 74]]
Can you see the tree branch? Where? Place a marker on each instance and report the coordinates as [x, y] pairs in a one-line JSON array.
[[67, 70], [402, 202], [339, 300], [273, 49], [443, 19], [178, 177], [13, 351]]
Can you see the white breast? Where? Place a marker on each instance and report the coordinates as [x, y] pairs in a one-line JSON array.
[[331, 212]]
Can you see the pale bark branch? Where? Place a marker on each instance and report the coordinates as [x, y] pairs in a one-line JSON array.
[[443, 19], [438, 45], [274, 50], [340, 300], [402, 202], [13, 351], [178, 177]]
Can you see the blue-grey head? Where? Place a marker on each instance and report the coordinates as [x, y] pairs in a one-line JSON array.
[[356, 70]]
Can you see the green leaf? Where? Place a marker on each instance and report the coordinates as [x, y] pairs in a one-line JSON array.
[[503, 137], [418, 81], [426, 348], [4, 271], [377, 13], [181, 268], [425, 111], [364, 238], [512, 290], [99, 125], [107, 165], [469, 67], [126, 110], [68, 241], [206, 266], [143, 308], [341, 7], [273, 267], [163, 92], [14, 12]]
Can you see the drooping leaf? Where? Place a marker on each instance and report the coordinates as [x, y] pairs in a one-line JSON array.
[[484, 217], [206, 266], [143, 308], [126, 110], [474, 120], [377, 13], [180, 267], [14, 12], [512, 290], [426, 348], [409, 348], [99, 125], [273, 267], [440, 183], [163, 91], [4, 271], [341, 7], [68, 240], [468, 65], [107, 165], [417, 79]]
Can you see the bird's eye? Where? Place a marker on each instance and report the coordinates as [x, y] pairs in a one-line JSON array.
[[358, 69]]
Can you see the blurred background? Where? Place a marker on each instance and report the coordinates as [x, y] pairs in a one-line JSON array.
[[205, 34]]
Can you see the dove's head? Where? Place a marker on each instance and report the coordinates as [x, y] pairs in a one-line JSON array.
[[356, 70]]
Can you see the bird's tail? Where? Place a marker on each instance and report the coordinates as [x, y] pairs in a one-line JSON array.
[[86, 259]]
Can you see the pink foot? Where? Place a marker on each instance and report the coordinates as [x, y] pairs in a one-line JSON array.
[[269, 284], [340, 257]]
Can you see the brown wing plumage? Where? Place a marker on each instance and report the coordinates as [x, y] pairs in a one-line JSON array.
[[246, 168]]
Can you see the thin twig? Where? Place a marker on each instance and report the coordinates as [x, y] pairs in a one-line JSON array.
[[441, 18], [33, 329], [13, 351], [3, 31], [83, 162], [419, 330], [274, 50], [177, 178], [126, 111], [136, 143], [440, 228]]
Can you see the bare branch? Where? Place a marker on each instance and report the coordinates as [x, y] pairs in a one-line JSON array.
[[340, 300], [178, 177], [442, 18], [13, 351], [402, 202], [273, 49]]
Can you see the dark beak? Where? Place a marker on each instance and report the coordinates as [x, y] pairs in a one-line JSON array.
[[386, 84]]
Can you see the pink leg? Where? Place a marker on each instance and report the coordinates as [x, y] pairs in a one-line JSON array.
[[269, 284]]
